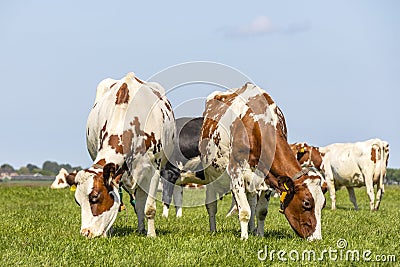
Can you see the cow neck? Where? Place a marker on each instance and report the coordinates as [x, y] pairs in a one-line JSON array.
[[285, 162]]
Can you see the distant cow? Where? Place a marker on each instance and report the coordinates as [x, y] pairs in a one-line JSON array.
[[244, 148], [130, 131], [63, 179], [350, 165], [186, 152]]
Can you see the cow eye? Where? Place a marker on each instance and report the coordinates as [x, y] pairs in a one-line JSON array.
[[94, 197], [306, 204]]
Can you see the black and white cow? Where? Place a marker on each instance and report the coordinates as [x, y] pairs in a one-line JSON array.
[[130, 131], [185, 158]]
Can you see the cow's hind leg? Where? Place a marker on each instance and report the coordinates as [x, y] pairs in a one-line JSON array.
[[352, 197], [379, 195]]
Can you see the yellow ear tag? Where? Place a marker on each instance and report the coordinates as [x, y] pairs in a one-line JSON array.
[[283, 196], [73, 188], [302, 150], [285, 185]]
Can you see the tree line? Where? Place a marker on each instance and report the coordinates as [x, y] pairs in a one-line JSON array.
[[49, 168]]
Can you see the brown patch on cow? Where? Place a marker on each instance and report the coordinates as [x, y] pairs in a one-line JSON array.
[[115, 142], [100, 200], [122, 95], [168, 106], [60, 181], [101, 162], [112, 85], [281, 123], [149, 139], [103, 135], [138, 80], [157, 93], [374, 154]]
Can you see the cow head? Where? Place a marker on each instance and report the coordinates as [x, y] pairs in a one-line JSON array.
[[98, 198], [307, 155], [302, 201], [60, 181]]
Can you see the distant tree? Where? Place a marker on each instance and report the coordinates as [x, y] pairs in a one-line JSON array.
[[6, 168], [31, 167], [393, 174], [23, 170], [68, 167], [51, 166]]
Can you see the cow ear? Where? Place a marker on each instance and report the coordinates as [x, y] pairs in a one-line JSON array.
[[108, 173], [70, 178], [285, 184]]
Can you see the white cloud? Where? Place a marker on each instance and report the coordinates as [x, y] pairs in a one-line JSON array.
[[259, 25], [262, 25]]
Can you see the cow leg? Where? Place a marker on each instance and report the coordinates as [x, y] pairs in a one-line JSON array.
[[379, 194], [370, 191], [150, 207], [331, 185], [233, 209], [252, 200], [244, 209], [178, 196], [166, 197], [262, 211], [352, 197], [140, 197], [211, 206]]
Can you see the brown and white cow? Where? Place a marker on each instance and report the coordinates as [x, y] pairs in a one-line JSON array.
[[244, 148], [350, 165], [64, 180], [129, 130]]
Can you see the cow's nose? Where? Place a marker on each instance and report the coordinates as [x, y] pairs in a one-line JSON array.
[[86, 232]]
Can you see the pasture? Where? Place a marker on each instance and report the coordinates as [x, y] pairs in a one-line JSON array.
[[40, 227]]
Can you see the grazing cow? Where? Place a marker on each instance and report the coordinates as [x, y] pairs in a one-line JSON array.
[[186, 152], [129, 134], [350, 165], [60, 181], [64, 180], [244, 148]]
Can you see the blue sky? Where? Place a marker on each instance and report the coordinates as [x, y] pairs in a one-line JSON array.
[[333, 67]]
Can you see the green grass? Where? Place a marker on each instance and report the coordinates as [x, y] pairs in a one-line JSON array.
[[40, 227]]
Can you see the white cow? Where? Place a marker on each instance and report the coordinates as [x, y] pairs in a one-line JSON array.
[[60, 181], [64, 180], [130, 131], [350, 165]]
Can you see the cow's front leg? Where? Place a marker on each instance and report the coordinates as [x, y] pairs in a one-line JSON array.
[[150, 207], [140, 197], [244, 209], [262, 211], [352, 197], [178, 196], [252, 200], [211, 206]]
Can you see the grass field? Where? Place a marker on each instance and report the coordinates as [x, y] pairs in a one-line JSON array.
[[40, 227]]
